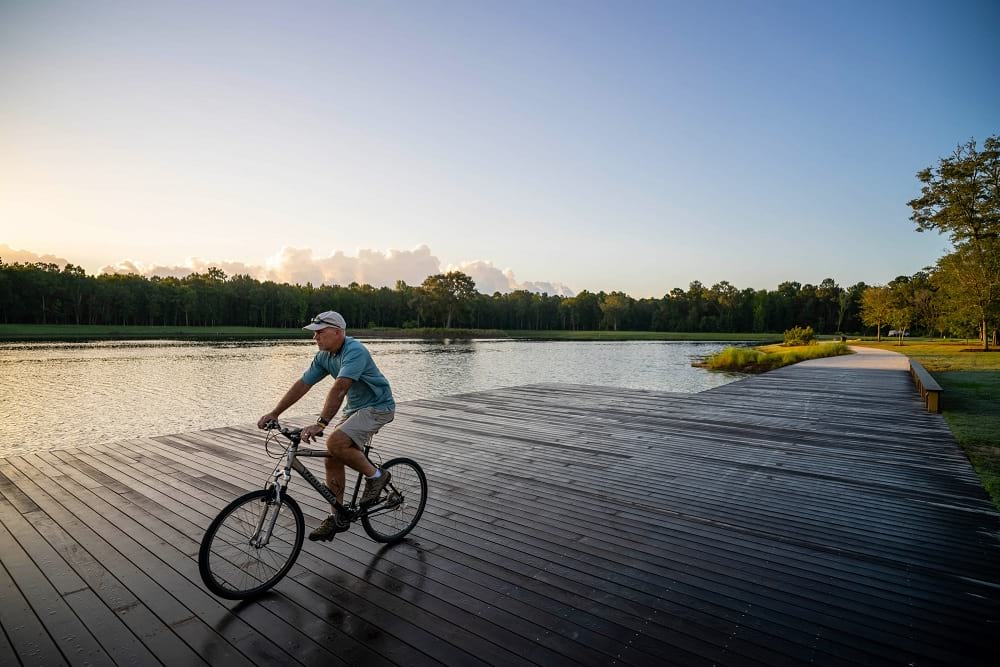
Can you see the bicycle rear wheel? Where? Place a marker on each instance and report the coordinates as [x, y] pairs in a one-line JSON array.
[[230, 565], [398, 510]]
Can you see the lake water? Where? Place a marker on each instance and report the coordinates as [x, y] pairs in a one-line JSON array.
[[60, 395]]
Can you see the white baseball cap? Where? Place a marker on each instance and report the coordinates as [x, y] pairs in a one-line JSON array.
[[326, 319]]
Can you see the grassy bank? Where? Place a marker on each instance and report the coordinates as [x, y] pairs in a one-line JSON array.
[[73, 333], [641, 335], [769, 357], [70, 332], [971, 400], [67, 332]]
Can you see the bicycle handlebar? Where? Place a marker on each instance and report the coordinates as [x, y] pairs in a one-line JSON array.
[[293, 434]]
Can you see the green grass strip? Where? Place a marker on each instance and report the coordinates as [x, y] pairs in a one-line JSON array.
[[971, 407], [642, 335], [752, 360]]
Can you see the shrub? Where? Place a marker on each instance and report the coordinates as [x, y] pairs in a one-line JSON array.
[[799, 336], [735, 358]]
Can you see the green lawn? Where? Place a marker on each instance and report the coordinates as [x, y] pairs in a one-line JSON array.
[[970, 402], [971, 405], [69, 332]]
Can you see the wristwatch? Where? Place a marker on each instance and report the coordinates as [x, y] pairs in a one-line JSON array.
[[322, 422]]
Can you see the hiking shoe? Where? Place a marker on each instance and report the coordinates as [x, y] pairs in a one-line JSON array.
[[331, 525], [373, 487]]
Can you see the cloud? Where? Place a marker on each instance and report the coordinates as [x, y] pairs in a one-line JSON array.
[[194, 265], [552, 289], [372, 267], [10, 256], [490, 279]]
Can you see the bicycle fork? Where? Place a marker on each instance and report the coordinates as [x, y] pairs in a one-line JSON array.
[[262, 535]]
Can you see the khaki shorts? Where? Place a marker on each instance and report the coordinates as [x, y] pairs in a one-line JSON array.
[[363, 424]]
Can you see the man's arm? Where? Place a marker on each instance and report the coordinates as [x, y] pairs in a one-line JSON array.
[[295, 392], [334, 399]]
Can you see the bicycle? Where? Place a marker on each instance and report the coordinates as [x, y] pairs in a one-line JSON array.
[[254, 541]]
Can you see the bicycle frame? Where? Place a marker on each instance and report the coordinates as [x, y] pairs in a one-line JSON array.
[[282, 475]]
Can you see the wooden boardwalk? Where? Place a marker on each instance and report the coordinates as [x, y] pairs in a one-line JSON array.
[[815, 514]]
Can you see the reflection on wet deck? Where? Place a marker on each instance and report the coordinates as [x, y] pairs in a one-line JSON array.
[[782, 519]]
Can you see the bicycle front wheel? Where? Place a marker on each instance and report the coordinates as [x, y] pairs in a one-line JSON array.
[[233, 562], [398, 510]]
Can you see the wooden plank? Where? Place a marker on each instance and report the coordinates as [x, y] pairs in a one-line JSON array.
[[15, 497], [121, 645], [146, 577], [77, 645], [8, 656], [280, 641], [108, 546], [27, 636], [62, 535], [925, 380]]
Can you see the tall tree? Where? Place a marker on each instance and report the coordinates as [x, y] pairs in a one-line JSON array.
[[587, 307], [972, 275], [961, 195], [843, 305], [876, 304], [450, 293], [615, 306]]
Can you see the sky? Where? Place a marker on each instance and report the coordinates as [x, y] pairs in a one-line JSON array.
[[554, 146]]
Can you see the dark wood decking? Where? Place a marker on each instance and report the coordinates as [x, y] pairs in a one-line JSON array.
[[810, 515]]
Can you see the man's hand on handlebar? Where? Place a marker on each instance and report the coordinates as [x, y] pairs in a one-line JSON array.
[[267, 420], [309, 433]]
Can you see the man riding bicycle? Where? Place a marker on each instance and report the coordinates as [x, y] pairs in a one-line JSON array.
[[369, 407]]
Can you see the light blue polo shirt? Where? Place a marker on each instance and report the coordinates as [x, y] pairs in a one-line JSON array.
[[370, 389]]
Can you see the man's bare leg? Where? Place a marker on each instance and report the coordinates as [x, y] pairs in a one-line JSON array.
[[335, 478], [344, 453]]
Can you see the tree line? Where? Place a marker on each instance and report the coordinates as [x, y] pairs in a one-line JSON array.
[[41, 293]]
